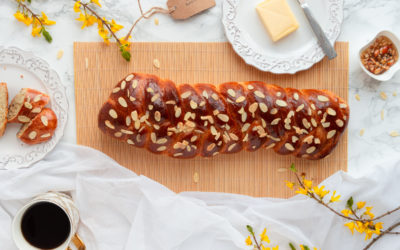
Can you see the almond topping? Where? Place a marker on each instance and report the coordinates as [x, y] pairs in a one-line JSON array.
[[117, 134], [259, 94], [275, 121], [113, 114], [45, 135], [289, 147], [240, 99], [250, 87], [223, 117], [128, 121], [211, 147], [263, 107], [193, 104], [231, 92], [115, 90], [123, 84], [342, 105], [129, 77], [322, 98], [44, 120], [122, 102], [253, 107], [331, 111], [339, 122], [28, 105], [178, 112], [23, 119], [162, 148], [296, 96], [281, 103], [310, 150], [274, 111], [186, 94], [129, 141], [37, 98], [331, 134], [32, 135], [134, 83], [299, 108], [36, 110], [108, 124], [231, 147]]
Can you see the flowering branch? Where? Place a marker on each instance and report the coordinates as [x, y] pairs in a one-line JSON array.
[[360, 216], [107, 29], [25, 15]]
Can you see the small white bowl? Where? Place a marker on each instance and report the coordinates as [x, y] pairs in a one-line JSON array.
[[387, 75]]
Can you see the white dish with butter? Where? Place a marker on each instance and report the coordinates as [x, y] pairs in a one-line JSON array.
[[295, 52]]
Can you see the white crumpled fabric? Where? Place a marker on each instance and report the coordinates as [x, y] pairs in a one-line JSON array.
[[120, 210]]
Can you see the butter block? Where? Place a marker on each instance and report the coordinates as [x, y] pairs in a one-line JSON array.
[[277, 17]]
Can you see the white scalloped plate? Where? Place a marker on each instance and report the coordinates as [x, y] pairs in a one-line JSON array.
[[298, 51], [21, 69]]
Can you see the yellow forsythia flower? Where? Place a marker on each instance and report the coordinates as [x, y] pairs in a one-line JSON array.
[[360, 204], [360, 227], [368, 233], [45, 20], [36, 30], [320, 191], [96, 2], [302, 191], [104, 34], [368, 212], [87, 20], [289, 184], [264, 236], [378, 227], [351, 226], [334, 198], [346, 212], [23, 18], [275, 248], [265, 248], [307, 183], [115, 26], [248, 241], [77, 6]]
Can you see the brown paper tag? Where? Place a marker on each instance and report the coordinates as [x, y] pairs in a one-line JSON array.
[[183, 9]]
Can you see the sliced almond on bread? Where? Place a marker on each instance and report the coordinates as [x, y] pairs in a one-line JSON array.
[[40, 129], [26, 105]]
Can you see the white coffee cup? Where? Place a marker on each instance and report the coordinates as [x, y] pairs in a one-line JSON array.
[[61, 200]]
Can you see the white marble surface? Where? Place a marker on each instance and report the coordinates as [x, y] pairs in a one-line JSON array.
[[362, 20]]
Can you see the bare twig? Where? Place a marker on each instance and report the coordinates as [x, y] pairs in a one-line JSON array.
[[147, 15]]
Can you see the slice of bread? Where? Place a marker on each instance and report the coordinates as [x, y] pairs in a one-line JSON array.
[[3, 107]]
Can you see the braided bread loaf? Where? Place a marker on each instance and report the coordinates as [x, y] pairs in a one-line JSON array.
[[186, 120]]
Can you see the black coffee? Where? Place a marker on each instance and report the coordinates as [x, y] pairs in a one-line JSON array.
[[45, 225]]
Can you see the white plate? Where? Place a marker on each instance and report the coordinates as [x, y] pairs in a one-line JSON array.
[[21, 69], [298, 51]]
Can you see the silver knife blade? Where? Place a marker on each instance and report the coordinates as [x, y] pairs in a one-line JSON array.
[[326, 46]]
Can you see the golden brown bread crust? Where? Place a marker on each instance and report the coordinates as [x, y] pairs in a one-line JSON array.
[[3, 108], [32, 104], [187, 120], [40, 129]]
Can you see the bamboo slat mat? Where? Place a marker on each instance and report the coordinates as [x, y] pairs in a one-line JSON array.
[[98, 68]]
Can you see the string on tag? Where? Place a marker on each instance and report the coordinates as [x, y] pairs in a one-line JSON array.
[[148, 14]]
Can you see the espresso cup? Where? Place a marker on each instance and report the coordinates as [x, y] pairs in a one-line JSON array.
[[49, 221]]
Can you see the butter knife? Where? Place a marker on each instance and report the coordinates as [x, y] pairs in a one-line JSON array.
[[319, 33]]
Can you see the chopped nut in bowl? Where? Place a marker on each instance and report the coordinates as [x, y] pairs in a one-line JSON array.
[[379, 58]]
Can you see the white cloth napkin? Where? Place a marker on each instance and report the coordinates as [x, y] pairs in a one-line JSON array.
[[120, 210]]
